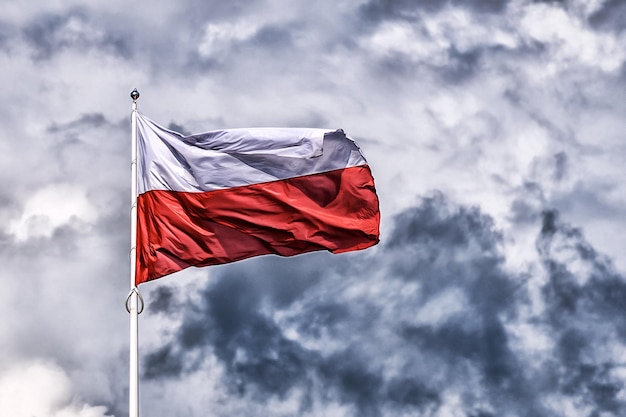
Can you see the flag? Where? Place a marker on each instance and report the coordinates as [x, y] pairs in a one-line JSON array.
[[226, 195]]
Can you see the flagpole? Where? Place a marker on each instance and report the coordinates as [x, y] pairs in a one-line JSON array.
[[132, 300]]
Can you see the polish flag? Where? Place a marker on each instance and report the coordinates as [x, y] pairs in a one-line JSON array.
[[226, 195]]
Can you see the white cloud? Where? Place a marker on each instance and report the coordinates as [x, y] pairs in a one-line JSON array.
[[76, 30], [51, 207], [441, 307], [220, 37], [401, 38], [430, 40], [570, 41], [41, 389]]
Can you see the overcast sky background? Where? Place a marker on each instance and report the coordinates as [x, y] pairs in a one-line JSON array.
[[495, 133]]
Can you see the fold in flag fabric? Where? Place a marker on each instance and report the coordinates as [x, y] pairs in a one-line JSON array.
[[226, 195]]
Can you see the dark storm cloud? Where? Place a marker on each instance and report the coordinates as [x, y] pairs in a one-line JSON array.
[[458, 247], [611, 15], [50, 34], [552, 2], [457, 61], [458, 67], [6, 32], [462, 65], [85, 121], [598, 289], [561, 166], [444, 248], [584, 308], [531, 198], [162, 363], [407, 9], [486, 6], [164, 299], [434, 222], [194, 12], [250, 344], [178, 128], [441, 246], [377, 10], [526, 208], [273, 36]]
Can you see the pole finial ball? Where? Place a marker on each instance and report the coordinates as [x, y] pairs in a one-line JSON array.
[[134, 94]]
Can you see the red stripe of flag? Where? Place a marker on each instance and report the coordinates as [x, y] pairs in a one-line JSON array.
[[335, 211]]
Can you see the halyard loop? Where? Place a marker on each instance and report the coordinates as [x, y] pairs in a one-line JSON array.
[[136, 291]]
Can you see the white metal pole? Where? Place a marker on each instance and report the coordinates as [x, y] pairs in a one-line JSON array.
[[133, 385]]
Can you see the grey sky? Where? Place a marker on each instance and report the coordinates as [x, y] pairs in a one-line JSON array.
[[494, 130]]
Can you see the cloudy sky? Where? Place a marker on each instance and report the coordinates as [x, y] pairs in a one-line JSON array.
[[494, 130]]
